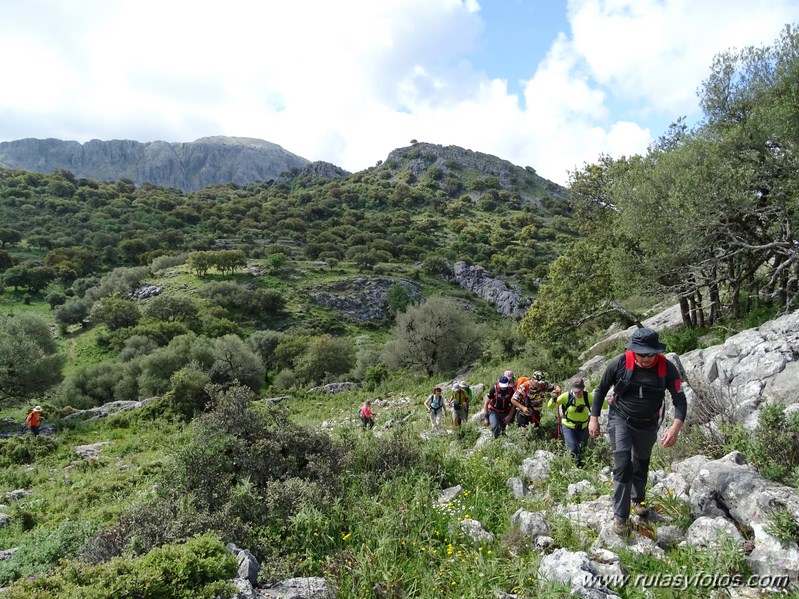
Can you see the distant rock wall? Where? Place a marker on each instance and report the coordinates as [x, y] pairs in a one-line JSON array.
[[507, 300], [361, 299], [188, 166]]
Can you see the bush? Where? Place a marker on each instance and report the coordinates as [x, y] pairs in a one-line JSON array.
[[44, 547], [29, 358], [264, 343], [324, 357], [96, 384], [219, 327], [253, 302], [115, 313], [285, 380], [163, 262], [197, 569], [775, 444], [682, 340], [235, 458], [171, 308], [188, 396], [26, 449], [437, 337]]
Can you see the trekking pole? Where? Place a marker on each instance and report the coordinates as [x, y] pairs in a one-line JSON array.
[[557, 433]]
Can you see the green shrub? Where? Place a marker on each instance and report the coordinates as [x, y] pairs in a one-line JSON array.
[[243, 474], [197, 569], [435, 337], [682, 340], [26, 449], [285, 380], [783, 526], [188, 396], [774, 448], [44, 547], [326, 356]]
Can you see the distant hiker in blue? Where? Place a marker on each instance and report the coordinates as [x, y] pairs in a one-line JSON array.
[[640, 377], [435, 408]]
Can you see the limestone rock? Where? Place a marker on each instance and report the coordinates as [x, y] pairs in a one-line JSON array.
[[188, 166]]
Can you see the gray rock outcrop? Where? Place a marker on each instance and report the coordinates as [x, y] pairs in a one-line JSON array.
[[188, 166], [756, 366], [362, 299], [506, 299], [299, 588], [732, 489], [109, 409], [575, 568], [536, 468]]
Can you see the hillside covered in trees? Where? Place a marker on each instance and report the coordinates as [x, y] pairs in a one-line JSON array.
[[182, 338]]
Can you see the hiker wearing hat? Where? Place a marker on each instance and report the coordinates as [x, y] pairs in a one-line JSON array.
[[573, 410], [459, 403], [34, 419], [529, 398], [497, 407], [639, 378], [435, 407]]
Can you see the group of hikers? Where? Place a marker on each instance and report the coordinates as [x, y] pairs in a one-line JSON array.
[[639, 378]]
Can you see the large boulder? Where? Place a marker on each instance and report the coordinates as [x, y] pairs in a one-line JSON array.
[[755, 366], [731, 488]]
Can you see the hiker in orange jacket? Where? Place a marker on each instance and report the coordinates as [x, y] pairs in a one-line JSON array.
[[34, 419]]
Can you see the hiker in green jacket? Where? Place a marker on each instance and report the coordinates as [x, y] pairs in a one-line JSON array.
[[573, 410]]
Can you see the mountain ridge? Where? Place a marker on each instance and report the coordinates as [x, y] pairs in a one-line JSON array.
[[188, 166], [221, 160]]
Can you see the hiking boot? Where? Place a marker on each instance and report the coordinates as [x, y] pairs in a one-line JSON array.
[[619, 526], [640, 509]]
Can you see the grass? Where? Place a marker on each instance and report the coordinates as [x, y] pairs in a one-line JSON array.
[[390, 536], [383, 530]]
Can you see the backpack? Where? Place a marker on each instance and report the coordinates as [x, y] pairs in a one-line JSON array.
[[501, 401], [620, 386], [571, 402], [436, 402]]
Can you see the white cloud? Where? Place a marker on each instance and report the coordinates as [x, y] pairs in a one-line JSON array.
[[349, 81]]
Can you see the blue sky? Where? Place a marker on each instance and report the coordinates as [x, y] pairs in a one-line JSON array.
[[547, 84]]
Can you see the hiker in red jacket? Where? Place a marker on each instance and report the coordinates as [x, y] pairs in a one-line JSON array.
[[639, 377], [498, 410]]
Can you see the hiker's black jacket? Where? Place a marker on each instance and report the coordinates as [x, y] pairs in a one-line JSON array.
[[644, 396]]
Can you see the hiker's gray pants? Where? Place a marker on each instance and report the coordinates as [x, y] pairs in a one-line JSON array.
[[632, 449]]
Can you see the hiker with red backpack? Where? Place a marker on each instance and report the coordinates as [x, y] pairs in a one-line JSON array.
[[640, 377], [529, 398], [573, 409], [497, 407]]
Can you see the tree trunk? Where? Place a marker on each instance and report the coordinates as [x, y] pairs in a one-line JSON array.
[[700, 310], [715, 302], [685, 311]]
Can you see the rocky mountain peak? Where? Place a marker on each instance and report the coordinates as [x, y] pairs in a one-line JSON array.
[[189, 166]]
